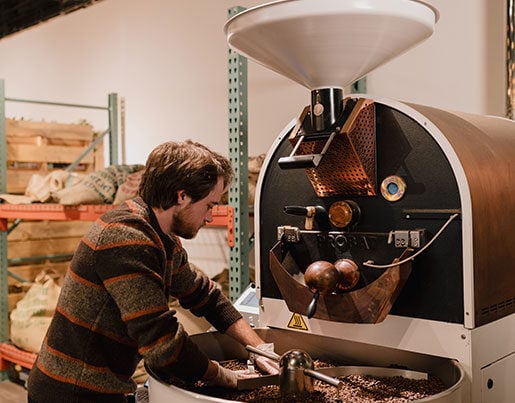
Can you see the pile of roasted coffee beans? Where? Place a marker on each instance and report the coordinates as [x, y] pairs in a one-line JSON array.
[[357, 388]]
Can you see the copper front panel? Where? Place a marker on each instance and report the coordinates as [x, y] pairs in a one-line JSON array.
[[349, 165]]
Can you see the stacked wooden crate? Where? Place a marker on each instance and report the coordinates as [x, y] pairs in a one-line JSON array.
[[37, 147], [42, 147]]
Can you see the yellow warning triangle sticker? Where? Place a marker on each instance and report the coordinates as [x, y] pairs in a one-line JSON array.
[[297, 322]]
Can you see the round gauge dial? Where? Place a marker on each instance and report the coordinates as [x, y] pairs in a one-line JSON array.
[[393, 188]]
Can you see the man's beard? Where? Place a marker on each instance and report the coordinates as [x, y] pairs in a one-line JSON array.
[[183, 227]]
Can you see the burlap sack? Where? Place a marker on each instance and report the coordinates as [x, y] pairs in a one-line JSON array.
[[31, 317], [41, 187], [129, 188], [98, 187]]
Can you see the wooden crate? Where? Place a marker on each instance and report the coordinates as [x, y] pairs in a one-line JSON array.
[[41, 147], [42, 239]]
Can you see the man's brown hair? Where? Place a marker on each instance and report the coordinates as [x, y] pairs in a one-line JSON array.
[[188, 166]]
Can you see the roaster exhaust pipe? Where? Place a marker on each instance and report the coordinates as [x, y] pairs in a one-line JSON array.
[[326, 107]]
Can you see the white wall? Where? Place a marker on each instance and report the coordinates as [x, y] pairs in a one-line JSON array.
[[168, 59], [461, 67]]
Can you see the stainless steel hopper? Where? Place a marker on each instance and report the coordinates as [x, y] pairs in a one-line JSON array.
[[329, 43]]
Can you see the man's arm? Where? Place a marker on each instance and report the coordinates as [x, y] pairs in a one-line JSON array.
[[244, 334]]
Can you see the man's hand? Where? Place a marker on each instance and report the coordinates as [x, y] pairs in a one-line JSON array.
[[266, 364], [224, 377], [246, 336]]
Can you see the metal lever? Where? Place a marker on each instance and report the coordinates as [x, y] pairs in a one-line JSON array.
[[311, 213], [304, 161], [300, 161], [296, 210], [312, 307]]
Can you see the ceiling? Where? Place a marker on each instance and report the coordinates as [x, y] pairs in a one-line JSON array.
[[17, 15]]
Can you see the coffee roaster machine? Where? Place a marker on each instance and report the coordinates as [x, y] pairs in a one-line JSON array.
[[419, 202]]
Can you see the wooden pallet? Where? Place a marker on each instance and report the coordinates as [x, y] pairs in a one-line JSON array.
[[41, 147]]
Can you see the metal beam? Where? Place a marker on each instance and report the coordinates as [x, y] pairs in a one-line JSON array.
[[238, 155], [113, 129], [510, 59], [4, 288]]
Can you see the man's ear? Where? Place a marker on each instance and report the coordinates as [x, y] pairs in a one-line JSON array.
[[182, 196]]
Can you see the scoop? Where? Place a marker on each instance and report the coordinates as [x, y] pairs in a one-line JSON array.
[[295, 373]]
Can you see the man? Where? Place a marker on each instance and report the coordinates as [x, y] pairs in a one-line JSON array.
[[113, 309]]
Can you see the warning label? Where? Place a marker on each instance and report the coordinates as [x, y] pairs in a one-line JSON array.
[[297, 322]]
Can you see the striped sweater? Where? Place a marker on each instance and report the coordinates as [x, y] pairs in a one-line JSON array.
[[113, 311]]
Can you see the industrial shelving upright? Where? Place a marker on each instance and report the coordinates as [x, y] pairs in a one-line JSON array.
[[238, 155], [4, 288]]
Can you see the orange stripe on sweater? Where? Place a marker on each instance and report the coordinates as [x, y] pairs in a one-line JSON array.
[[73, 381], [126, 243], [142, 350], [176, 352], [75, 360], [177, 248], [193, 289], [130, 276], [205, 299], [182, 268], [101, 223], [96, 329], [117, 224], [95, 246], [82, 280], [133, 206], [90, 244], [134, 315]]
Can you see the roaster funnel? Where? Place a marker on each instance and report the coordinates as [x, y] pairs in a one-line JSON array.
[[329, 43]]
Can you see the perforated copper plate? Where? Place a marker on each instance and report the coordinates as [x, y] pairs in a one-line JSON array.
[[349, 165]]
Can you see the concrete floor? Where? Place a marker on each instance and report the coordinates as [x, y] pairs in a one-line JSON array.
[[11, 392]]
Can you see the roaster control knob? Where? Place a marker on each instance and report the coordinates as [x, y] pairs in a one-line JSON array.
[[343, 213]]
